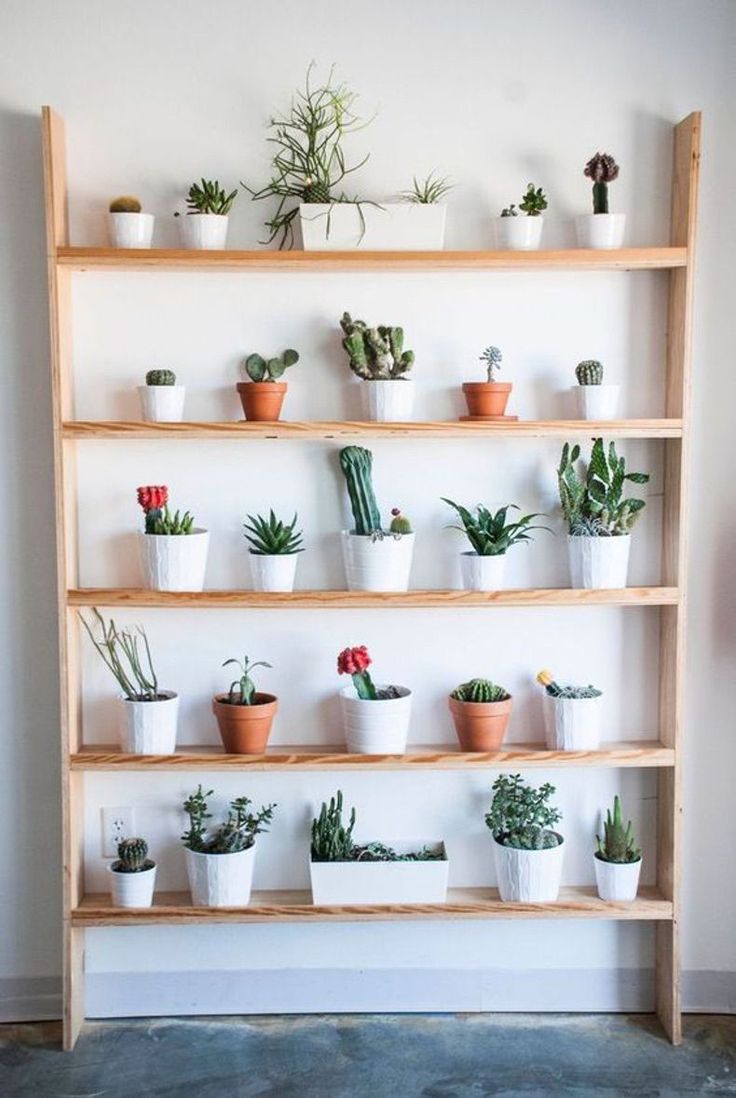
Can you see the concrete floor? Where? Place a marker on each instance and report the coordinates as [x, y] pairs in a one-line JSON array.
[[437, 1056]]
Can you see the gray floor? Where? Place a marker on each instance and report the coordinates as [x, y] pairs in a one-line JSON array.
[[438, 1056]]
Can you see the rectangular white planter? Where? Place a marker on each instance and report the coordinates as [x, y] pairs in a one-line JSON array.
[[175, 562], [377, 564], [381, 882], [392, 227], [572, 724], [149, 727]]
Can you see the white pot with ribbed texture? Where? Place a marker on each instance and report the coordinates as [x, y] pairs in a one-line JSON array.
[[572, 724], [132, 889], [273, 571], [481, 573], [382, 882], [376, 727], [162, 403], [204, 232], [377, 564], [617, 882], [528, 876], [388, 401], [519, 234], [599, 563], [390, 226], [600, 230], [130, 230], [175, 562], [149, 727], [220, 880], [597, 401]]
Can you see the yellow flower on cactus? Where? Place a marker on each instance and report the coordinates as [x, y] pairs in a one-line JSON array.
[[545, 678]]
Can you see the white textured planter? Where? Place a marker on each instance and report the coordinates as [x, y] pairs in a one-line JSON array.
[[273, 571], [132, 889], [599, 562], [600, 230], [175, 562], [482, 573], [392, 226], [382, 882], [377, 564], [519, 234], [149, 727], [597, 401], [162, 403], [130, 230], [528, 876], [375, 727], [220, 880], [572, 724], [617, 882], [387, 401], [204, 232]]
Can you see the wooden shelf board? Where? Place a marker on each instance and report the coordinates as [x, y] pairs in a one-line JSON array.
[[620, 753], [563, 428], [462, 903]]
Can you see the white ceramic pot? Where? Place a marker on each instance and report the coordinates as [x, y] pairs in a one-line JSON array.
[[519, 234], [600, 230], [174, 562], [377, 564], [597, 401], [617, 882], [392, 226], [375, 727], [528, 876], [220, 880], [572, 724], [481, 573], [382, 882], [132, 889], [149, 727], [204, 232], [162, 403], [599, 562], [131, 230], [273, 571], [387, 401]]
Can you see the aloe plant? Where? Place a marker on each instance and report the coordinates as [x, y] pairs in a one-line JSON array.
[[490, 534]]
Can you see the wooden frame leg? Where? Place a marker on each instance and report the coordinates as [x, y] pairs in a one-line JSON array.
[[73, 985], [667, 952]]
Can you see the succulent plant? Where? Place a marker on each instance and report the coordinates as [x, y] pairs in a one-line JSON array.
[[399, 523], [492, 358], [480, 690], [332, 841], [589, 372], [357, 464], [160, 377], [126, 203], [427, 191], [270, 369], [618, 844], [153, 499], [242, 691], [592, 501], [510, 211], [555, 690], [127, 656], [520, 816], [132, 857], [491, 535], [238, 832], [376, 354], [272, 537], [209, 198], [533, 202], [602, 169]]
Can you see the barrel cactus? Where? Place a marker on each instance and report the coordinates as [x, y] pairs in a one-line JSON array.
[[589, 372], [602, 169], [376, 354], [480, 690], [160, 377], [132, 856], [618, 844], [126, 203], [357, 464], [399, 523]]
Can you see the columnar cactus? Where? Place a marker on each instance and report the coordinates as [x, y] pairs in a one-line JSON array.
[[160, 377], [132, 856], [480, 690], [618, 843], [399, 523], [332, 841], [602, 169], [357, 463], [589, 372], [555, 690], [376, 354], [126, 203]]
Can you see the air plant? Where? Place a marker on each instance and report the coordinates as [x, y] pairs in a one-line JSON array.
[[427, 191]]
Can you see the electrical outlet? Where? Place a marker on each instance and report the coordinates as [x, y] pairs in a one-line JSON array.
[[117, 824]]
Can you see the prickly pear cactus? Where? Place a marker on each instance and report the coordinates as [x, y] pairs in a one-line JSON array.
[[160, 377], [480, 690], [269, 369], [589, 372], [126, 203], [132, 856]]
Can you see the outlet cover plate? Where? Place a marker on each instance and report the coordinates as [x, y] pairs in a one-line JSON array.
[[117, 823]]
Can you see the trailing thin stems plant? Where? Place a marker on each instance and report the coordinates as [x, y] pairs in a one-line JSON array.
[[127, 655]]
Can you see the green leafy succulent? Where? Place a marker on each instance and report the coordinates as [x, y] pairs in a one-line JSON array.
[[209, 198], [272, 537], [520, 816], [490, 534]]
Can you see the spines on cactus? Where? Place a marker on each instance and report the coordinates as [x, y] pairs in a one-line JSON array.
[[589, 372], [399, 524], [132, 856], [332, 840], [618, 843], [126, 203], [270, 369], [602, 169], [376, 354], [480, 690], [556, 690], [357, 463], [160, 377]]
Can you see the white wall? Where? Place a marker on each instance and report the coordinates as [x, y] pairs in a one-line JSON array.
[[493, 94]]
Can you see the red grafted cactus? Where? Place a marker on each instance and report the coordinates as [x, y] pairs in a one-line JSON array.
[[355, 662]]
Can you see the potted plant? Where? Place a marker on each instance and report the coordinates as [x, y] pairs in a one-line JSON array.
[[274, 550], [571, 715], [595, 400], [375, 559], [132, 875], [205, 224], [599, 518], [148, 715], [527, 852], [375, 716], [522, 233], [488, 399], [129, 227], [244, 715], [162, 400], [617, 859], [601, 229], [220, 861], [174, 550], [378, 358], [480, 712], [345, 872], [491, 536], [263, 395]]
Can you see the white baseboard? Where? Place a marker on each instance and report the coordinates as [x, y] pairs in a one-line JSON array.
[[30, 999]]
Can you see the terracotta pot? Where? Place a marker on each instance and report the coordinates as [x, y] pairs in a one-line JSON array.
[[245, 728], [262, 400], [487, 398], [480, 726]]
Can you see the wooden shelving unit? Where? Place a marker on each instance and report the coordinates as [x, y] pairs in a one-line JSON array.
[[659, 904]]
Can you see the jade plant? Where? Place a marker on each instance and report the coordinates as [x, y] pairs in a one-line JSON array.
[[355, 662], [127, 655], [556, 690], [243, 690], [270, 369], [160, 377], [332, 841], [520, 816], [533, 203], [618, 844], [480, 691], [376, 354], [602, 169], [209, 198], [271, 536], [592, 497], [490, 534], [126, 203], [132, 857], [427, 192], [357, 466], [153, 499], [492, 359], [589, 372], [238, 831]]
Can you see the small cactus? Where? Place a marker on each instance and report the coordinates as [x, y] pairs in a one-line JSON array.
[[160, 377], [555, 690], [332, 841], [480, 690], [376, 354], [399, 523], [126, 203], [618, 844], [262, 369], [132, 856], [602, 169], [589, 372]]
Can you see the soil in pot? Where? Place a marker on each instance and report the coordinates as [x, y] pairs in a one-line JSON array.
[[487, 399], [480, 726], [262, 400], [245, 728]]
